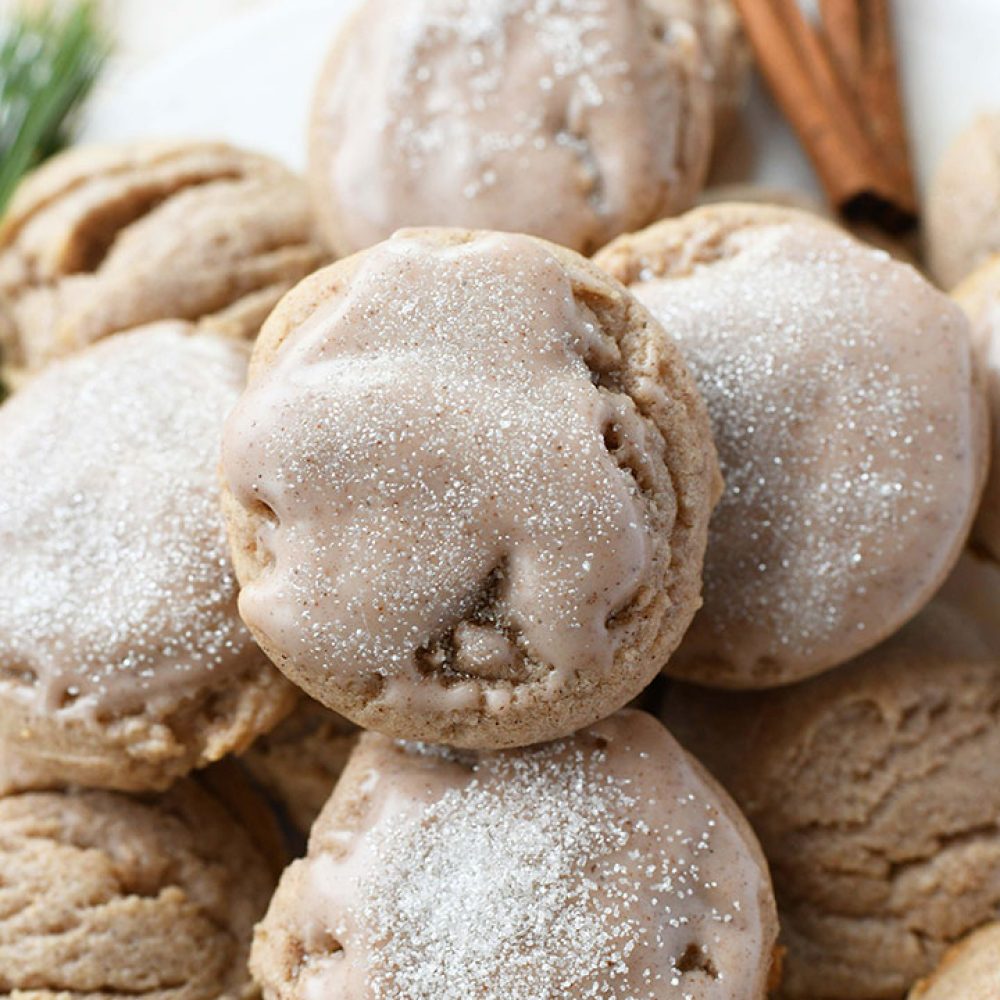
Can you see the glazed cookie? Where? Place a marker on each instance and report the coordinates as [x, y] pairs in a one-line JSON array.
[[963, 205], [875, 791], [607, 864], [979, 296], [850, 426], [970, 971], [123, 662], [574, 120], [468, 490], [104, 895], [101, 239], [300, 761]]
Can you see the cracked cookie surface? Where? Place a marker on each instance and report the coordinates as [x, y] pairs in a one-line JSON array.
[[104, 238], [103, 895], [300, 761], [875, 791], [467, 490]]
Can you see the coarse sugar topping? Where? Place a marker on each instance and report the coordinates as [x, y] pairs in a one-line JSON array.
[[115, 582]]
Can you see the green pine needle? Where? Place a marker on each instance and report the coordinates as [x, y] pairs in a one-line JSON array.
[[49, 59]]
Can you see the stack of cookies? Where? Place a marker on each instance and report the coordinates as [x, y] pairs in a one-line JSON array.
[[607, 623]]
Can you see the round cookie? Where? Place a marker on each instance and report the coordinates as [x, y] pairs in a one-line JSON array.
[[875, 791], [979, 296], [123, 661], [105, 895], [850, 425], [970, 971], [573, 120], [962, 213], [607, 864], [468, 490], [104, 238], [301, 759]]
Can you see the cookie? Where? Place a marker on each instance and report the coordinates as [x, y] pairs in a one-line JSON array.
[[104, 238], [979, 296], [300, 761], [468, 490], [962, 213], [875, 791], [123, 661], [850, 425], [903, 248], [607, 864], [727, 52], [573, 120], [969, 971], [105, 895]]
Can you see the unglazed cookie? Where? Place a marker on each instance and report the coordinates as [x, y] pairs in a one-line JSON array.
[[963, 206], [875, 791], [605, 865], [123, 662], [103, 895], [970, 971], [850, 425], [574, 120], [468, 490], [300, 761], [104, 238], [979, 296]]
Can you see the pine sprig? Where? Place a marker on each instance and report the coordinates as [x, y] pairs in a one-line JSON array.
[[49, 59]]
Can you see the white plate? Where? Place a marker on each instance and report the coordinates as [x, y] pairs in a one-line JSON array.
[[250, 82]]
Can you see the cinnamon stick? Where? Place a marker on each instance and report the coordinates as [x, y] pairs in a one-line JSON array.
[[838, 88]]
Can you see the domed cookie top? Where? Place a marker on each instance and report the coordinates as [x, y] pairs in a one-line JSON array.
[[105, 895], [979, 296], [969, 971], [104, 238], [875, 791], [574, 120], [850, 429], [123, 662], [469, 486], [607, 864], [963, 204]]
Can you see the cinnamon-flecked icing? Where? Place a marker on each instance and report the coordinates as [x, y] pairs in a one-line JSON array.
[[429, 446], [604, 865], [850, 429], [574, 120]]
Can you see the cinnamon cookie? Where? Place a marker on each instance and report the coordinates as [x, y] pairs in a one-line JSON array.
[[300, 761], [123, 662], [104, 238], [875, 791], [979, 296], [969, 971], [727, 52], [468, 490], [963, 207], [105, 895], [607, 864], [574, 120], [850, 425]]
